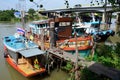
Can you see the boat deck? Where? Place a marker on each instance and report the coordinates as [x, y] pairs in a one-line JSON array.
[[25, 68]]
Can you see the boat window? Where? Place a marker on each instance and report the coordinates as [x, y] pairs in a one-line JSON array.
[[70, 43], [38, 26], [18, 41], [46, 24], [8, 40], [64, 24], [6, 37], [56, 24], [95, 25]]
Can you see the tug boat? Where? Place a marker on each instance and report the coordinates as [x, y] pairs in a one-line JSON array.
[[23, 55]]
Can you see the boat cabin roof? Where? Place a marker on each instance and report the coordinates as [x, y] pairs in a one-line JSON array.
[[40, 22], [31, 52]]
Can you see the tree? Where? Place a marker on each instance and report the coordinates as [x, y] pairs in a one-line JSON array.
[[31, 0], [7, 15], [114, 3], [31, 11]]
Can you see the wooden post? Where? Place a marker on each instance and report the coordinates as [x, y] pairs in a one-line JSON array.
[[48, 62], [105, 13], [61, 62], [93, 49], [42, 39], [52, 40], [76, 65], [117, 28], [110, 17]]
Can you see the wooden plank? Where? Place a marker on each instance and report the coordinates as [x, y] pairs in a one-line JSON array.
[[92, 66], [63, 54]]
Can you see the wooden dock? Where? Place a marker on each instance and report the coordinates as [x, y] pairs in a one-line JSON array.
[[92, 66], [65, 55]]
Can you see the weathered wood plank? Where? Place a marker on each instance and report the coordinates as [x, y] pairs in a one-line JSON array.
[[92, 66]]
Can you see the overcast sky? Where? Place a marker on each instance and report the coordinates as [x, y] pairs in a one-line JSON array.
[[48, 4]]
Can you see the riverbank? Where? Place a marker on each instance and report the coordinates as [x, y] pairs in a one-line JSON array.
[[115, 39]]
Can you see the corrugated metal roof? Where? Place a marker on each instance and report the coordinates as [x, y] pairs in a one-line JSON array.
[[31, 52]]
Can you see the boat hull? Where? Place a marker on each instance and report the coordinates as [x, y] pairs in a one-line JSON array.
[[15, 66]]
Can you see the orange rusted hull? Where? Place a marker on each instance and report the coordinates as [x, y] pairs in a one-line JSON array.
[[79, 48], [15, 66], [83, 43]]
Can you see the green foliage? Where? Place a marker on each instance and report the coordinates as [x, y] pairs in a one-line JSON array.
[[118, 33], [102, 2], [7, 15], [89, 58], [117, 48], [103, 49], [108, 56], [31, 11], [32, 15], [112, 2], [68, 66]]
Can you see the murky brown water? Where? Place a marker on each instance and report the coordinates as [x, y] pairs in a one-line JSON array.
[[7, 72]]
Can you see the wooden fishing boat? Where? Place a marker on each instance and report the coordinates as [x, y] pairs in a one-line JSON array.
[[23, 55], [60, 31], [84, 45]]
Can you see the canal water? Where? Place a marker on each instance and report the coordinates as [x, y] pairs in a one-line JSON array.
[[8, 73]]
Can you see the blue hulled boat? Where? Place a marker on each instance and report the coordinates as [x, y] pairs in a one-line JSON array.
[[23, 55]]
